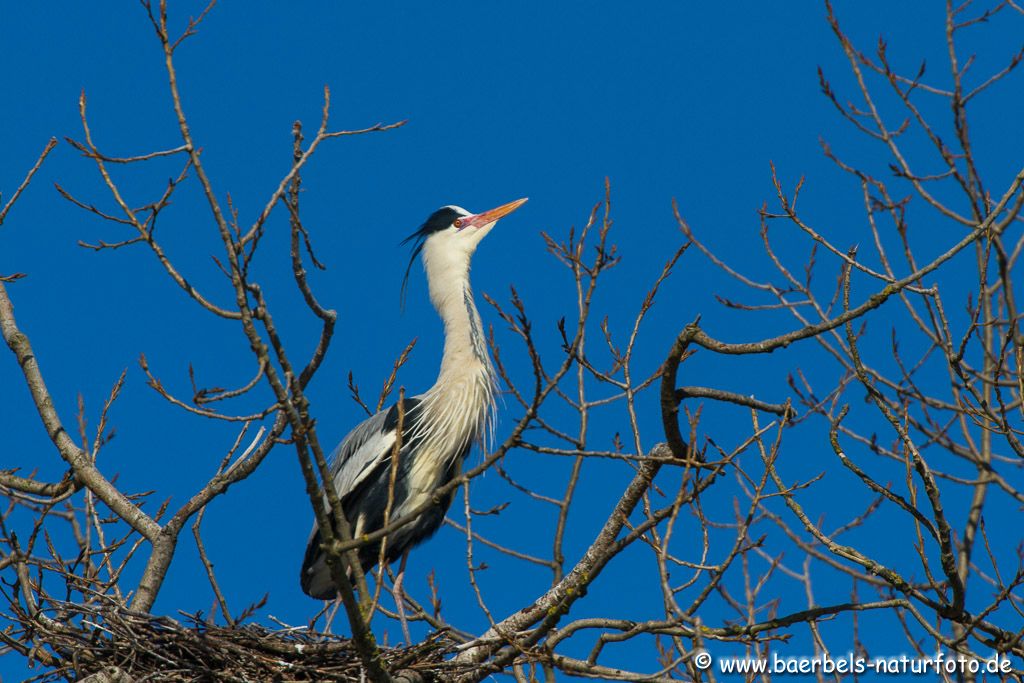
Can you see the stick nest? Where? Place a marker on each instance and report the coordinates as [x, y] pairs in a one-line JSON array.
[[114, 645]]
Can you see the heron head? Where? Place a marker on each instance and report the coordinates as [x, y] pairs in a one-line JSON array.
[[453, 233]]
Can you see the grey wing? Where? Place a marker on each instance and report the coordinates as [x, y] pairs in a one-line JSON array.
[[353, 459], [359, 452]]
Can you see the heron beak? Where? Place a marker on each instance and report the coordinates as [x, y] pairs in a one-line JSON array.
[[487, 217]]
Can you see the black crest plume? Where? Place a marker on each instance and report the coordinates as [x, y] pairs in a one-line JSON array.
[[438, 221]]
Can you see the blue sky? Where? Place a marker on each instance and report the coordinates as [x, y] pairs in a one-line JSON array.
[[680, 100]]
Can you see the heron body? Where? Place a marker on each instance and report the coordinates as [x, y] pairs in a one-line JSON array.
[[439, 426]]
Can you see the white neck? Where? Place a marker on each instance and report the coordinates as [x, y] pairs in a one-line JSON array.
[[462, 398]]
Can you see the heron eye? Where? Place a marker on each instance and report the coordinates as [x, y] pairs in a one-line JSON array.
[[458, 223]]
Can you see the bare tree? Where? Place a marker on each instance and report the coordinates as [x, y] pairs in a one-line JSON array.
[[931, 457]]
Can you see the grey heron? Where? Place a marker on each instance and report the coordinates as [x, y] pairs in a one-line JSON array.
[[439, 426]]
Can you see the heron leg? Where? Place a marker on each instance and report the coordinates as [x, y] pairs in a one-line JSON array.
[[332, 612], [399, 594]]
